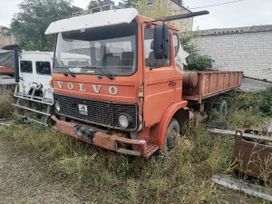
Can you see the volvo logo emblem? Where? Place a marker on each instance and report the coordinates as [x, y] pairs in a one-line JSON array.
[[95, 88], [113, 90]]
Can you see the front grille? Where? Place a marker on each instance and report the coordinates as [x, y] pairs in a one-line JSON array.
[[99, 112]]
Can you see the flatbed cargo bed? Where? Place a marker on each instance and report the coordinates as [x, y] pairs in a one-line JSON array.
[[201, 85]]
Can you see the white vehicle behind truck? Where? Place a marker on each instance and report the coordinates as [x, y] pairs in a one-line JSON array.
[[35, 75], [33, 83], [33, 92]]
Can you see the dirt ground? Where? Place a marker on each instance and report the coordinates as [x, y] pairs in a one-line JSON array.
[[24, 179]]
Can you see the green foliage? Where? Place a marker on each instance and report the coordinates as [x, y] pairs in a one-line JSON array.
[[30, 23], [257, 103], [195, 60], [250, 109], [96, 3], [266, 101], [92, 4]]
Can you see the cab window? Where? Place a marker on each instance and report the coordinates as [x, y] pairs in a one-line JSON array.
[[43, 68], [150, 60], [26, 66], [176, 43]]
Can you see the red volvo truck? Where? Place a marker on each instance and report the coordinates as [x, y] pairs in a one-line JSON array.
[[127, 95]]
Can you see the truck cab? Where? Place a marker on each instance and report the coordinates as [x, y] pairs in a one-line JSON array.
[[35, 69], [128, 96]]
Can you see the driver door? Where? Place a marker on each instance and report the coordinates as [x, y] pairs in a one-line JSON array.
[[162, 83]]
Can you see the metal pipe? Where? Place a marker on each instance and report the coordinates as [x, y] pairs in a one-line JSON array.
[[181, 16], [16, 57], [256, 79], [242, 186], [30, 109]]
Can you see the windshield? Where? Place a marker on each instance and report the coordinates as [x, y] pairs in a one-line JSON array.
[[110, 49]]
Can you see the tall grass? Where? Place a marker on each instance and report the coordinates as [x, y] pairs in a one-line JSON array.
[[182, 177], [5, 106], [246, 110]]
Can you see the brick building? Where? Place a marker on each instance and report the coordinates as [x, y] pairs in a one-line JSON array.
[[173, 6], [5, 37], [245, 49], [176, 7]]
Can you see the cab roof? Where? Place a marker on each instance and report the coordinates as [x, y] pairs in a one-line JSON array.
[[104, 18]]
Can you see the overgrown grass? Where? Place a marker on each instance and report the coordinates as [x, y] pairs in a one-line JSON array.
[[5, 106], [248, 110], [183, 177]]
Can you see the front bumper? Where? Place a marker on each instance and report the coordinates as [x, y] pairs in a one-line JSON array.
[[107, 141]]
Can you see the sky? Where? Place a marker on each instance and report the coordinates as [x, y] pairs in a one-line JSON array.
[[240, 13]]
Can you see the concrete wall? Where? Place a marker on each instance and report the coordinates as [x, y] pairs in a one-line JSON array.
[[247, 49]]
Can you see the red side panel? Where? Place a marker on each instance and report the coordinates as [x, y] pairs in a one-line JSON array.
[[6, 70]]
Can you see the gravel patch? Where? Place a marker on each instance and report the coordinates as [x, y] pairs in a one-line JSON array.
[[24, 180]]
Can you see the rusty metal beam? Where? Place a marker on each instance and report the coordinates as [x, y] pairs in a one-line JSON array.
[[234, 133], [243, 186]]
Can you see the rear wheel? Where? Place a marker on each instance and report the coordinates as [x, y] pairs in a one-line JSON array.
[[172, 135]]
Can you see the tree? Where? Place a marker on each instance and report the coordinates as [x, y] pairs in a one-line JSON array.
[[195, 61], [93, 4], [158, 8], [96, 3], [35, 16]]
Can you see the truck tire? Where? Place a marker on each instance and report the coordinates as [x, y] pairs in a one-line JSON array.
[[172, 135], [222, 108]]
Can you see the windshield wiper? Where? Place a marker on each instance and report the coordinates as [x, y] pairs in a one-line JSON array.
[[69, 72], [101, 71]]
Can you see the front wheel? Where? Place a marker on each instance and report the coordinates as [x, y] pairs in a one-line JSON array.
[[172, 135]]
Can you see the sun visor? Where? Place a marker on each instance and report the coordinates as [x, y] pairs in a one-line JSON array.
[[104, 18]]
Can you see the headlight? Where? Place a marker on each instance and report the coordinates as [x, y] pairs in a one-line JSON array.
[[123, 121], [57, 106]]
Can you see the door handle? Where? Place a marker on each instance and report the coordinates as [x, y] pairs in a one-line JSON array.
[[172, 83]]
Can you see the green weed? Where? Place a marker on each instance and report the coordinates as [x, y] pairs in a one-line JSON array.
[[245, 111]]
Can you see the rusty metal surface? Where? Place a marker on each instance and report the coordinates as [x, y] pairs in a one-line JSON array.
[[108, 141], [253, 157], [245, 135], [190, 79], [211, 83], [6, 70]]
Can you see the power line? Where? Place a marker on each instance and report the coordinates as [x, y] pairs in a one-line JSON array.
[[214, 5]]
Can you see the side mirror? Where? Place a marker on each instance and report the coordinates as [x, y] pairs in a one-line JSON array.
[[161, 42]]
